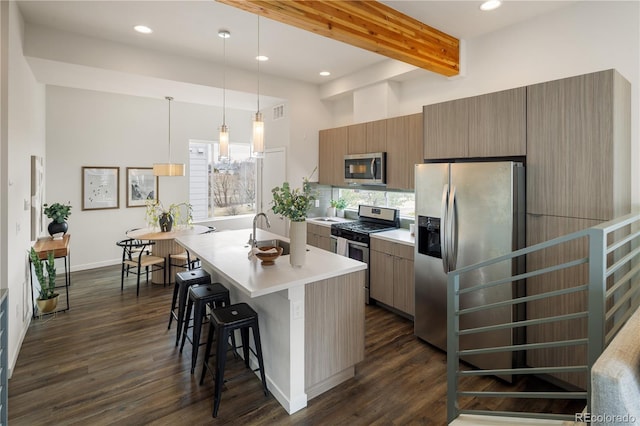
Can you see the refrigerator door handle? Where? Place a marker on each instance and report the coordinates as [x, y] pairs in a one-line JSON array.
[[452, 255], [443, 228]]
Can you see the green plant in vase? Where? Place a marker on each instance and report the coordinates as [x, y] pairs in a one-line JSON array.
[[157, 215], [58, 213], [47, 297], [294, 204]]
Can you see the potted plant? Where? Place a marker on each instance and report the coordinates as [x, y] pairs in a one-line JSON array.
[[58, 213], [157, 215], [47, 299], [340, 204], [294, 204]]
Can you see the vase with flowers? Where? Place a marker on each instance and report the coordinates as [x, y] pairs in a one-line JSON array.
[[158, 215], [294, 204]]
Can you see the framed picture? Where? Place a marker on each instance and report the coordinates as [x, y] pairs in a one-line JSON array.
[[142, 185], [100, 188]]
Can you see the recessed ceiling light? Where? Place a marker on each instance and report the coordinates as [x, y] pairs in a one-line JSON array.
[[325, 73], [143, 29], [262, 58], [490, 5]]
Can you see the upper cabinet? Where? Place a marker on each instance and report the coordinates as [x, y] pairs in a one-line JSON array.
[[367, 137], [578, 155], [400, 138], [332, 149], [497, 124], [404, 150], [446, 130], [491, 125]]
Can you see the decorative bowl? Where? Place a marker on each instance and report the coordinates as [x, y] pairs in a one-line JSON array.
[[268, 258]]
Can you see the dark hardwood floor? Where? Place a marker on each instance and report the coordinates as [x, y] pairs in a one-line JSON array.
[[111, 360]]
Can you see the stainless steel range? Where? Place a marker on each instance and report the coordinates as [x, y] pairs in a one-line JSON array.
[[351, 239]]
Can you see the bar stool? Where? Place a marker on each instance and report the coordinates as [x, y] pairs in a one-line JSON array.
[[200, 296], [184, 280], [225, 321]]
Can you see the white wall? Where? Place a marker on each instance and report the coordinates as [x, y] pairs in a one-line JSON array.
[[26, 137], [89, 128]]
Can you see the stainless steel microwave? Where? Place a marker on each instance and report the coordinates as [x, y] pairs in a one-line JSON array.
[[367, 169]]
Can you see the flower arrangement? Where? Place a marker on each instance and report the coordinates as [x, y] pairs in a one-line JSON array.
[[155, 210], [293, 203], [58, 212], [48, 283]]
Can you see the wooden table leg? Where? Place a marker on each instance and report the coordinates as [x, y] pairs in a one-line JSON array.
[[165, 248]]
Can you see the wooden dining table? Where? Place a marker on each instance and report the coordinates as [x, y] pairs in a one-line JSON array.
[[165, 245]]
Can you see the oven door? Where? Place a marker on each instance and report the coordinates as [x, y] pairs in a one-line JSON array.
[[357, 251]]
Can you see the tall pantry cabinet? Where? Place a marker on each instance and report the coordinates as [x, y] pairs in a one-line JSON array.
[[578, 175]]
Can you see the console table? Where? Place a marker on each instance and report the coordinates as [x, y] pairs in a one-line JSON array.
[[60, 249]]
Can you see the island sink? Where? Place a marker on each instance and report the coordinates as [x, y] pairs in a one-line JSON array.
[[275, 243]]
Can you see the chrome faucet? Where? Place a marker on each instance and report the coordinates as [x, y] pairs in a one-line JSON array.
[[253, 240]]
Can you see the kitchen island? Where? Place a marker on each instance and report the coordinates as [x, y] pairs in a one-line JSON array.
[[311, 317]]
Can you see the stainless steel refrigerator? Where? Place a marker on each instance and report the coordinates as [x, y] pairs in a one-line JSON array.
[[466, 213]]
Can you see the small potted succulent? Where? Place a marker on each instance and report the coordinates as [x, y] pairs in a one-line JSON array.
[[58, 213], [47, 299]]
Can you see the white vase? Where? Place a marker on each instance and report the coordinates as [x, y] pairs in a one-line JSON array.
[[331, 211], [298, 243]]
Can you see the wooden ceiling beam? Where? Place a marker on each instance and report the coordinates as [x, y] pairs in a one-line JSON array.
[[368, 25]]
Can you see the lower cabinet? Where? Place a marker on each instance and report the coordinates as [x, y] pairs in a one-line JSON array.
[[391, 277], [319, 236]]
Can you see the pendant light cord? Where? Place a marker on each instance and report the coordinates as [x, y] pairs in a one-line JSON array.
[[169, 98], [258, 93], [224, 80]]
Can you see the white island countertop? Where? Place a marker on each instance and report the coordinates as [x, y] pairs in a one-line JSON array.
[[226, 253]]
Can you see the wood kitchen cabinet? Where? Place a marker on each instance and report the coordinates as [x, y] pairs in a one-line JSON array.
[[319, 236], [498, 124], [491, 125], [578, 153], [578, 175], [541, 228], [356, 139], [332, 149], [367, 137], [392, 279], [404, 150], [446, 129]]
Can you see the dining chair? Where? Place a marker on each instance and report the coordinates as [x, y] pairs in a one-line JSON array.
[[185, 259], [134, 256]]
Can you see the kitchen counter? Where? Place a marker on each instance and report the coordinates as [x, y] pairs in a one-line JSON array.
[[311, 317], [226, 253], [328, 221], [400, 235]]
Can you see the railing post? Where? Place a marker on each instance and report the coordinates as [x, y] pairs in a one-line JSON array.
[[453, 324], [596, 299]]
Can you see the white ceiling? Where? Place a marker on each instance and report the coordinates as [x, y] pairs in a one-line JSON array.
[[190, 28]]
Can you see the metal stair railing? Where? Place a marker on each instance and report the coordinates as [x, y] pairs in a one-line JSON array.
[[612, 296]]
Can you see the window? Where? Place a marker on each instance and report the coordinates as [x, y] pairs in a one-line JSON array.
[[221, 187], [404, 201]]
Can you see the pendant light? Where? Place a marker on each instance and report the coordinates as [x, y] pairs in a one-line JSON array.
[[224, 130], [258, 123], [168, 169]]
